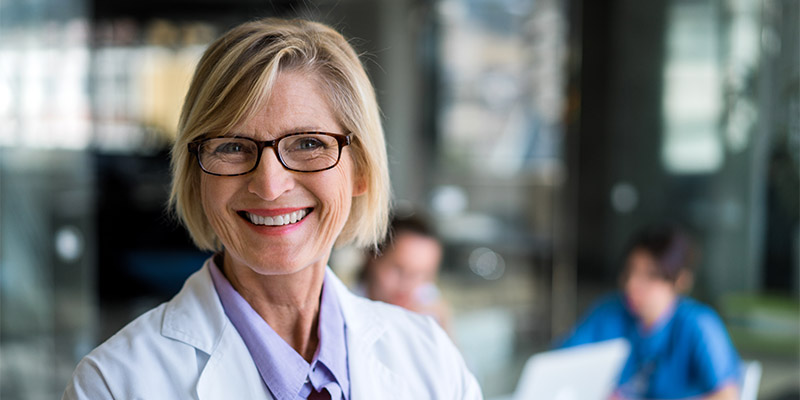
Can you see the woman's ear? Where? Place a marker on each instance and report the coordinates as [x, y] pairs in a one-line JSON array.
[[359, 185], [684, 282]]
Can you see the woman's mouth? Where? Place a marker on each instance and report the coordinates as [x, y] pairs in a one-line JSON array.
[[277, 220]]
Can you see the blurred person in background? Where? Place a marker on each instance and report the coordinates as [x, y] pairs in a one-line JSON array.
[[679, 347], [280, 156], [403, 269]]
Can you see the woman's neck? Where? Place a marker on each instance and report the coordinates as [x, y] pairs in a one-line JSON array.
[[288, 303]]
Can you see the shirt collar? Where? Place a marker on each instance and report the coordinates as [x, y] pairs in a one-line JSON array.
[[282, 369], [332, 351]]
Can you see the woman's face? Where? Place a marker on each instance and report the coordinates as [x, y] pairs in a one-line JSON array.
[[646, 291], [234, 204], [410, 263]]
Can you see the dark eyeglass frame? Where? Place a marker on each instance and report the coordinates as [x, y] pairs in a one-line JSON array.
[[341, 139]]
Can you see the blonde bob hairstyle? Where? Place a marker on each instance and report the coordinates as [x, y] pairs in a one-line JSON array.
[[233, 80]]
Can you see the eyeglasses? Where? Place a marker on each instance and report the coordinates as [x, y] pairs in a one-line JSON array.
[[301, 152]]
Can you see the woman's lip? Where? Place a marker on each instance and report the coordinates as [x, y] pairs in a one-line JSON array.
[[273, 212]]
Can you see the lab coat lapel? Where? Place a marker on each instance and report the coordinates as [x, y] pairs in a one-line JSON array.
[[230, 372], [370, 378], [196, 317]]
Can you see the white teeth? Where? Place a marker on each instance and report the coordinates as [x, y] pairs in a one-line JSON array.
[[277, 220]]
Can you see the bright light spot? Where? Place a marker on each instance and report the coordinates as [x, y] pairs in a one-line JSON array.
[[486, 263], [693, 152], [692, 91], [69, 243], [449, 200], [624, 197]]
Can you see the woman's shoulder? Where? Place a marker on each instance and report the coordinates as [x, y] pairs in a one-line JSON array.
[[693, 309], [138, 358], [613, 301], [363, 312], [128, 360], [610, 306], [698, 323], [159, 327], [142, 333], [397, 329], [396, 319], [695, 315], [607, 318], [416, 348]]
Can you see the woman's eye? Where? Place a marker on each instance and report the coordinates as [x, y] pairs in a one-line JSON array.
[[309, 144], [230, 148]]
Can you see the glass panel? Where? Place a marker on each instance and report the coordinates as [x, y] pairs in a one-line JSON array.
[[502, 69], [47, 303], [692, 95]]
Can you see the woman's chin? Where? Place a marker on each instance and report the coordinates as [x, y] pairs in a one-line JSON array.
[[266, 263]]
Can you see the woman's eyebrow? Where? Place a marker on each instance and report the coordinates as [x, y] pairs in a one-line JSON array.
[[302, 129], [230, 135], [282, 132]]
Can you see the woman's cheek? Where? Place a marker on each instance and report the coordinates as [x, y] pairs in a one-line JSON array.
[[214, 203], [336, 210]]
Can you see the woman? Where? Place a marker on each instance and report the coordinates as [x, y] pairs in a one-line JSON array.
[[679, 347], [403, 270], [280, 155]]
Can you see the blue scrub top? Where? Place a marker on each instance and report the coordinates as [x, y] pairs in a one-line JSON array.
[[687, 353]]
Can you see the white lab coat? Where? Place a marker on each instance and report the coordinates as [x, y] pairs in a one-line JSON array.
[[187, 348]]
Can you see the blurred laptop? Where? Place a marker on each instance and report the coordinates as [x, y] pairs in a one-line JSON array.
[[585, 372]]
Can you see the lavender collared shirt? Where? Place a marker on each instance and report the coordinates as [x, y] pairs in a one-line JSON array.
[[285, 372]]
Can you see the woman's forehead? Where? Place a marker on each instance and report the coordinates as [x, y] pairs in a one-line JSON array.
[[295, 103]]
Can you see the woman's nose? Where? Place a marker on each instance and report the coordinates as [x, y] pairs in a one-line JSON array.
[[270, 179]]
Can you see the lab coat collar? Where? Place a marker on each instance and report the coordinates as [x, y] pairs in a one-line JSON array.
[[361, 321], [196, 317]]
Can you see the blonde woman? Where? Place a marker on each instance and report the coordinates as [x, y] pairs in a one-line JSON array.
[[280, 156]]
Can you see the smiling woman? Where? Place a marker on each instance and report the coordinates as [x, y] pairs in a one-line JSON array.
[[265, 318]]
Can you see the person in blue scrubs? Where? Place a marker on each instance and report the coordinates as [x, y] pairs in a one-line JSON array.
[[679, 346]]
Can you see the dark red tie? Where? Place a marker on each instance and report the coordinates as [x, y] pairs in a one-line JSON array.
[[323, 395]]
